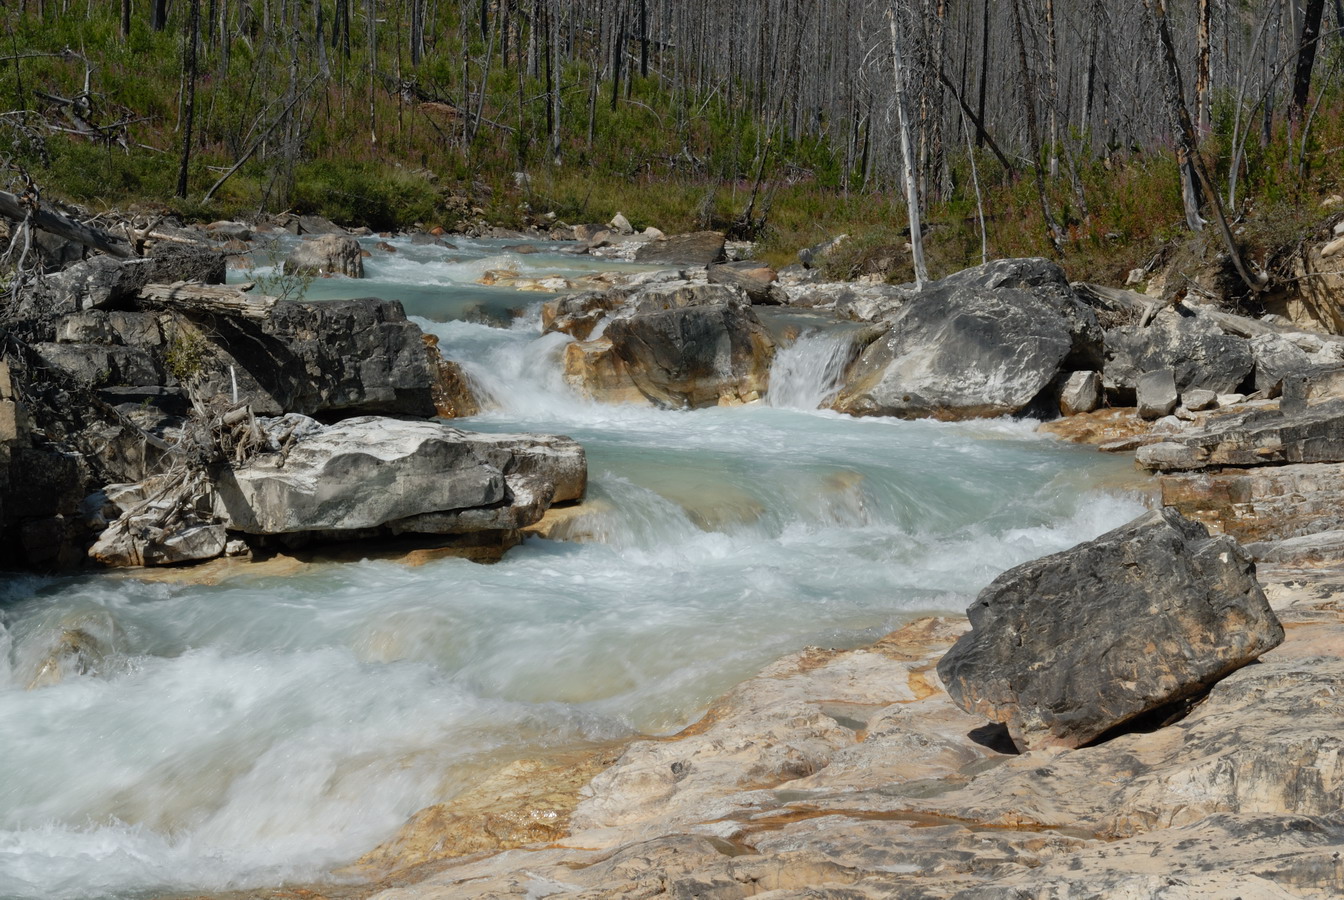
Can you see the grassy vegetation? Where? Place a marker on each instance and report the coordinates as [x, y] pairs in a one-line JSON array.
[[373, 155]]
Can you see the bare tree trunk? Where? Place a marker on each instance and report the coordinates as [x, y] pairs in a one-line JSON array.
[[189, 111], [911, 182], [1202, 73], [1027, 87], [1181, 126], [1306, 57], [158, 14]]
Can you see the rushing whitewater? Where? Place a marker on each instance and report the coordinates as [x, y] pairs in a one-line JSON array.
[[272, 728]]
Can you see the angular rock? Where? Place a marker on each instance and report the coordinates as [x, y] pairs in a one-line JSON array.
[[1254, 438], [984, 342], [1199, 400], [368, 472], [1081, 393], [1156, 394], [701, 248], [620, 224], [756, 278], [693, 356], [331, 254], [1193, 346], [367, 358], [1276, 357], [1066, 648]]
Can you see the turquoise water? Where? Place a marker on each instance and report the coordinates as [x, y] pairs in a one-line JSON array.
[[274, 727]]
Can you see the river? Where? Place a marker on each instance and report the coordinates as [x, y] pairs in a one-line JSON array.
[[271, 727]]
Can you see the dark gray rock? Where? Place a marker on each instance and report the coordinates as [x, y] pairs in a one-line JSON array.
[[701, 248], [1066, 648], [1193, 346], [1156, 394], [984, 342], [332, 359]]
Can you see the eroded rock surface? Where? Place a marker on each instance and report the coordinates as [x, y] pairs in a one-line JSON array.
[[984, 342], [1067, 647]]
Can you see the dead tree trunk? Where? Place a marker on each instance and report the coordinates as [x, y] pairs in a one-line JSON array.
[[1306, 57], [911, 182], [189, 105], [1181, 127]]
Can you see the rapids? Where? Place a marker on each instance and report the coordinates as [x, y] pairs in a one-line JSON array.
[[270, 728]]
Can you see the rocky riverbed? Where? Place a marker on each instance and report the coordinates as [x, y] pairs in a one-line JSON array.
[[1154, 713]]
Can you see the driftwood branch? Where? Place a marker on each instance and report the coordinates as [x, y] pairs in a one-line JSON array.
[[51, 221], [189, 295]]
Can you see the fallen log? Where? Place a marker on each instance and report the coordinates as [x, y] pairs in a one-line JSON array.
[[212, 298], [51, 221]]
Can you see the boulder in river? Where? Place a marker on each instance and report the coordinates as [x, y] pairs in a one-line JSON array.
[[369, 472], [756, 278], [1068, 647], [677, 346], [985, 342], [1156, 393], [1081, 393], [330, 254]]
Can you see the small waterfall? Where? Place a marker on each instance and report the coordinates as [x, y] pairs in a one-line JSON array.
[[808, 373]]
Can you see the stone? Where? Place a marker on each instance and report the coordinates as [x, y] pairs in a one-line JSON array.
[[694, 355], [1254, 438], [1301, 388], [1265, 504], [319, 225], [811, 257], [755, 278], [985, 342], [1277, 357], [1081, 393], [371, 360], [1193, 346], [136, 544], [369, 472], [1156, 394], [1199, 400], [620, 224], [1069, 647], [229, 231], [701, 248], [331, 254]]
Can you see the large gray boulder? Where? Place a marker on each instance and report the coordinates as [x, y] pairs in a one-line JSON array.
[[1192, 345], [370, 472], [675, 345], [330, 254], [333, 359], [701, 248], [1065, 648], [984, 342]]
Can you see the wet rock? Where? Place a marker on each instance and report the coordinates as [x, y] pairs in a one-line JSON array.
[[984, 342], [1156, 392], [331, 254], [1081, 393], [1071, 646], [578, 314], [700, 248], [452, 390], [1193, 346], [694, 355], [369, 472]]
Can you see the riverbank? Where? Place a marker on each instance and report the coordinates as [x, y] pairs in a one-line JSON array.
[[510, 705]]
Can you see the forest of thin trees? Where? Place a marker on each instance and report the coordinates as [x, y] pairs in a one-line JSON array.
[[747, 91]]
